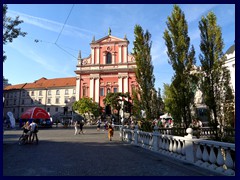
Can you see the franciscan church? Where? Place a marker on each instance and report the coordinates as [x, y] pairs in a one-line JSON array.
[[108, 68]]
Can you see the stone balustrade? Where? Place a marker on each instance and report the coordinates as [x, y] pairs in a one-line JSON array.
[[212, 155]]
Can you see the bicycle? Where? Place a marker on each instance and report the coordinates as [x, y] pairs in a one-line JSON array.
[[23, 139]]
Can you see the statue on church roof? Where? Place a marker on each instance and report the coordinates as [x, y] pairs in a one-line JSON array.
[[93, 39], [109, 31]]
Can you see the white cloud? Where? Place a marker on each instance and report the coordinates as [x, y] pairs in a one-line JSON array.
[[52, 25]]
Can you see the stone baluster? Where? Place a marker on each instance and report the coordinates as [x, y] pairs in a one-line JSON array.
[[155, 138], [229, 163], [220, 159], [136, 135], [212, 158]]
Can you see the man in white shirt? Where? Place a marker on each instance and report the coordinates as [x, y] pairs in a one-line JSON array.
[[33, 131]]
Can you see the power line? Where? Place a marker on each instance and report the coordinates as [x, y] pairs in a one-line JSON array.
[[64, 24]]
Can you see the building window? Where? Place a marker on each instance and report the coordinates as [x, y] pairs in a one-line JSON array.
[[66, 91], [109, 58], [49, 92], [6, 102], [57, 100], [22, 110], [23, 93], [58, 92], [115, 90], [22, 101], [108, 90], [101, 91], [14, 102], [56, 109], [40, 93], [32, 93], [39, 101], [49, 101], [74, 91], [84, 91], [13, 110], [48, 109]]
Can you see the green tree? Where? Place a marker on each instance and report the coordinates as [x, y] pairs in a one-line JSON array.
[[114, 100], [157, 103], [216, 78], [144, 70], [10, 30], [137, 106], [87, 106], [182, 59]]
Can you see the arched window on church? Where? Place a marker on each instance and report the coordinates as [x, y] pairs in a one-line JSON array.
[[109, 58], [108, 90]]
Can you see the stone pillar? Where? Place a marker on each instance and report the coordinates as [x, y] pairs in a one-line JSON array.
[[113, 58], [91, 87], [189, 149], [78, 87], [97, 90], [125, 84], [136, 135], [120, 84], [155, 138], [120, 54], [124, 54], [98, 56], [93, 55]]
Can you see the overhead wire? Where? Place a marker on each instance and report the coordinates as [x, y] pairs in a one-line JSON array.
[[64, 24]]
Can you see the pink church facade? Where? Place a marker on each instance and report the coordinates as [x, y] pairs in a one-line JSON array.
[[109, 68]]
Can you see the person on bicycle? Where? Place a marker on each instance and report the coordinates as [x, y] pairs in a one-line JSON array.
[[33, 131], [26, 128]]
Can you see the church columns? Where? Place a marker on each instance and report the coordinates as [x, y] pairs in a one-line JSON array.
[[97, 90], [123, 83], [91, 87], [78, 90], [98, 56], [124, 54], [93, 55], [120, 54], [94, 88]]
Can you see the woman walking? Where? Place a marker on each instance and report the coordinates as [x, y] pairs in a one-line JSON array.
[[110, 132]]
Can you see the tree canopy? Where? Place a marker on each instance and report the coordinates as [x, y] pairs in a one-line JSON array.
[[182, 58], [10, 29]]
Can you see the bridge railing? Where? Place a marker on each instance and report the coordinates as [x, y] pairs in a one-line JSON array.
[[212, 155]]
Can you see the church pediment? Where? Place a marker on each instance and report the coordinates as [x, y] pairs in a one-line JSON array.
[[108, 39]]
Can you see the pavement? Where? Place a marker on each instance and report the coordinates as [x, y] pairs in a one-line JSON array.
[[61, 153]]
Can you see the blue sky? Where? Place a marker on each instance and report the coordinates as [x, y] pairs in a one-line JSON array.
[[54, 57]]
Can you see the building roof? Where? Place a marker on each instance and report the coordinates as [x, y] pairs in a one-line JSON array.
[[231, 49], [14, 87], [45, 83]]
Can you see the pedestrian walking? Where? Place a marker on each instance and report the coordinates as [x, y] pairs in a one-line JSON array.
[[75, 127], [81, 127], [110, 132], [98, 124]]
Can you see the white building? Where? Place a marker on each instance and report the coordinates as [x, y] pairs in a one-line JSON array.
[[50, 94]]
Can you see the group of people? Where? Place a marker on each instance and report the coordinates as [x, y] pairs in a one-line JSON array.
[[31, 130]]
